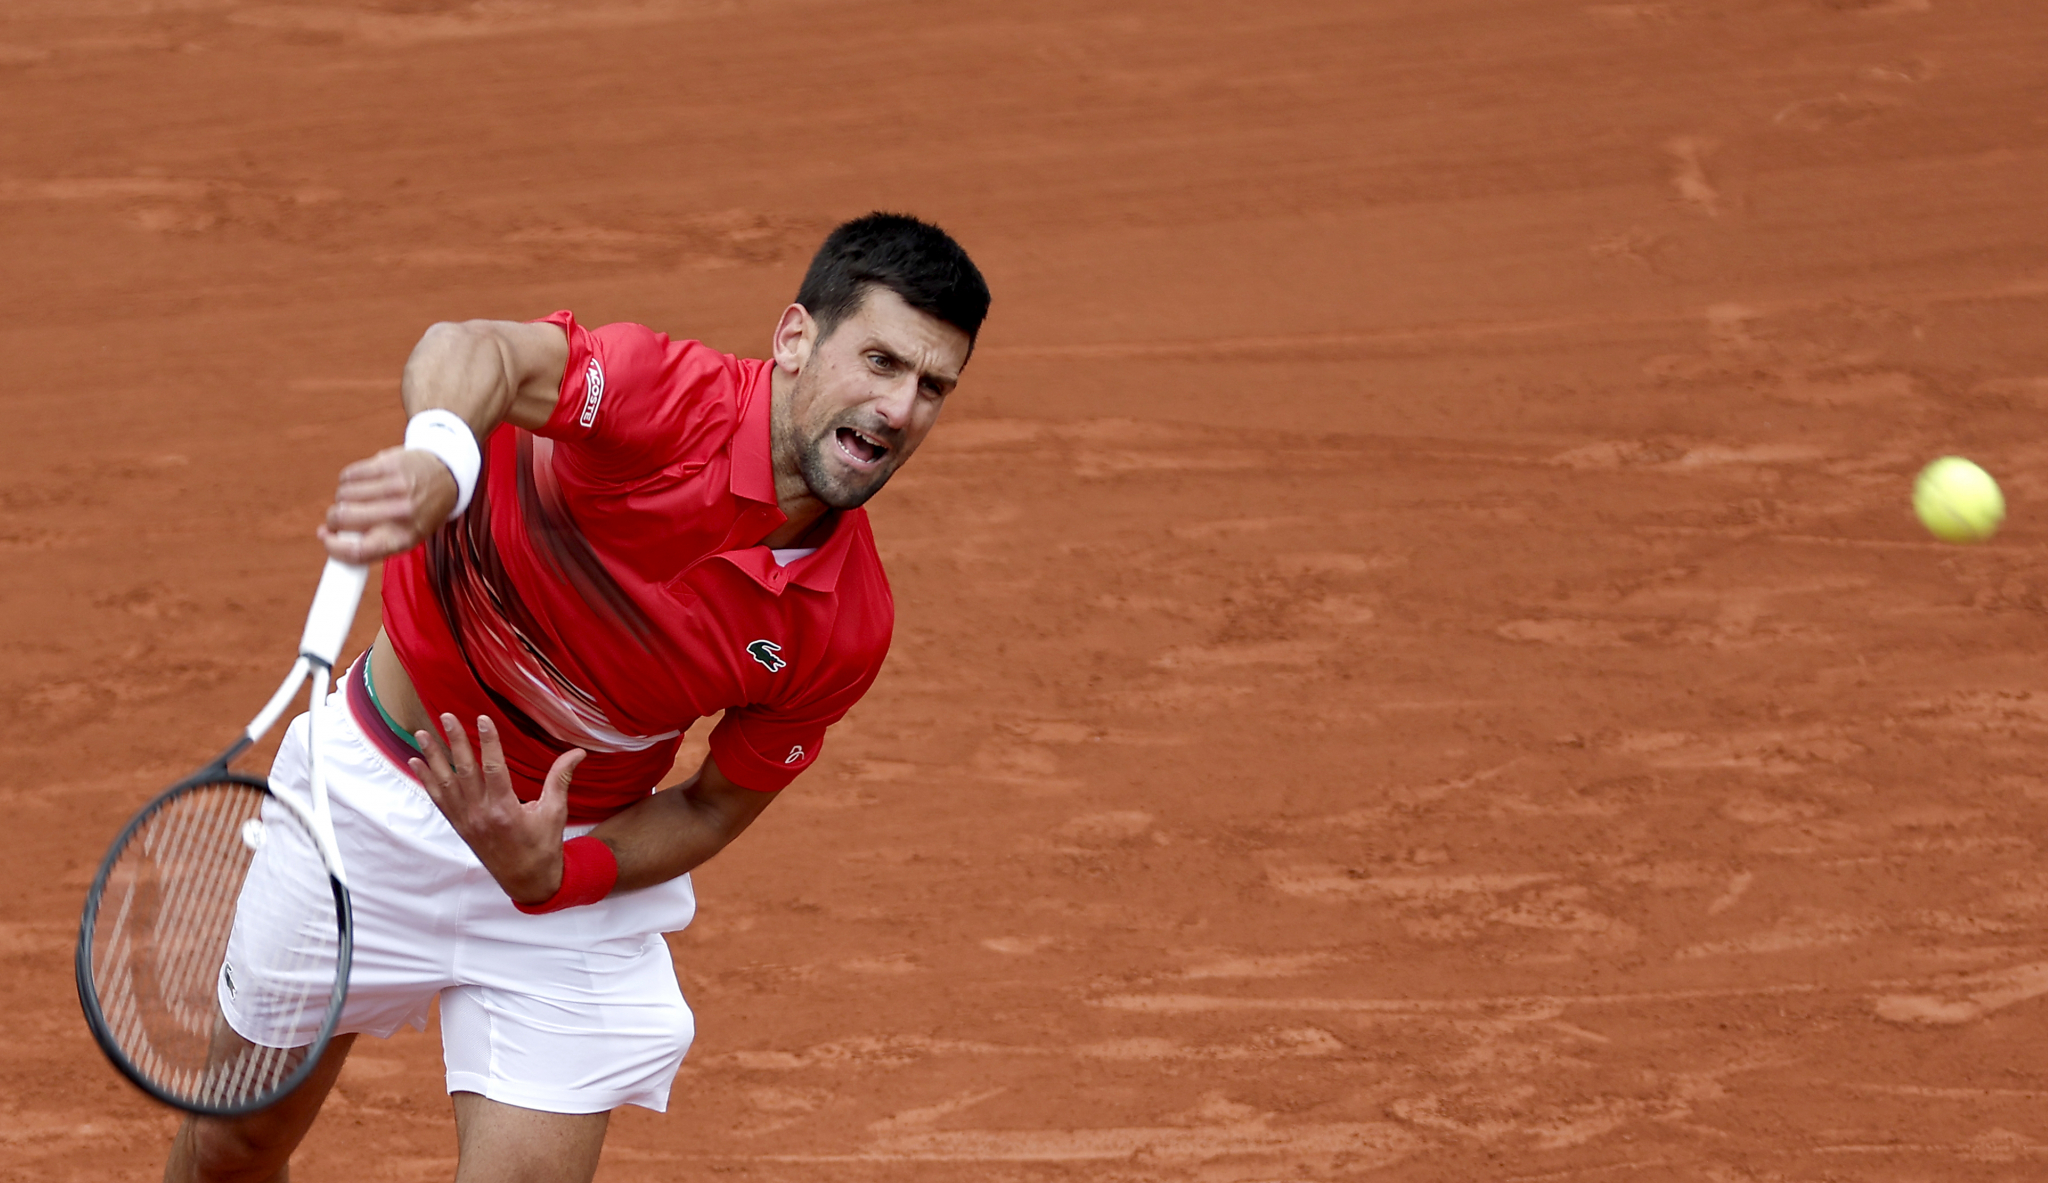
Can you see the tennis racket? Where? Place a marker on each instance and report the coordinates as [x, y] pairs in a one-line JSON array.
[[214, 952]]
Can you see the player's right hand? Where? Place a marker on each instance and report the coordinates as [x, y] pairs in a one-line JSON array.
[[387, 505]]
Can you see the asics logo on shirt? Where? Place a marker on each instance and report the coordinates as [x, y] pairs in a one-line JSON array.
[[593, 390], [768, 653], [796, 753]]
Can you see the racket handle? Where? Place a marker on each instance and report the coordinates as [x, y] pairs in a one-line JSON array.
[[334, 610]]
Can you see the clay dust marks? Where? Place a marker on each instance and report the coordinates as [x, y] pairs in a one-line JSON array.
[[189, 206], [1107, 828], [1019, 946], [102, 189], [1664, 457], [1728, 318], [33, 538], [1738, 886], [1966, 1000], [366, 25], [1500, 1116], [1795, 935], [652, 241], [1518, 1008], [1270, 653], [1284, 965], [1878, 8], [1632, 15], [860, 1052], [1985, 712], [1732, 629], [1359, 1145], [1990, 1147], [1393, 341], [40, 1139], [1770, 751], [1283, 1043], [1835, 111], [1444, 908], [33, 940], [1317, 881], [924, 1117], [1689, 175]]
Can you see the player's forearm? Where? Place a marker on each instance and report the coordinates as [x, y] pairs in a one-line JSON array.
[[673, 832]]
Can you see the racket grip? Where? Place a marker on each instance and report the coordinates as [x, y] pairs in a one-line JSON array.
[[334, 610]]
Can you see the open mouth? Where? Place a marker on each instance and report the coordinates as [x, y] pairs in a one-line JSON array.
[[863, 450]]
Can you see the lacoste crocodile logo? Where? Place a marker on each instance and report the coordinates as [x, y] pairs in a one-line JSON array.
[[768, 653]]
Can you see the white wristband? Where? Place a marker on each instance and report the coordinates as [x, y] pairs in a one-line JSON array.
[[445, 435]]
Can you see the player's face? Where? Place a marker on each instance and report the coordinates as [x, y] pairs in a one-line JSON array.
[[867, 395]]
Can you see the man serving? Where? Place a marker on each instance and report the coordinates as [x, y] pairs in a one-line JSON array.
[[595, 538]]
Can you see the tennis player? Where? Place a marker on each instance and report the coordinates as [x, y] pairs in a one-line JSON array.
[[594, 538]]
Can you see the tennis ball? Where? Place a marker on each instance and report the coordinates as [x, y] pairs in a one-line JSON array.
[[1958, 501]]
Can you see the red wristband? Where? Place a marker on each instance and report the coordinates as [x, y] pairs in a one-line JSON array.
[[589, 872]]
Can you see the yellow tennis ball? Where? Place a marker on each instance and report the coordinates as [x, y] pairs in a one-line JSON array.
[[1958, 501]]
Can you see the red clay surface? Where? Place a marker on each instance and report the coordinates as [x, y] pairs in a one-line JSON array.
[[1414, 663]]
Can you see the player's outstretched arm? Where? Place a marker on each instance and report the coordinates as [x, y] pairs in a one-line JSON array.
[[484, 372]]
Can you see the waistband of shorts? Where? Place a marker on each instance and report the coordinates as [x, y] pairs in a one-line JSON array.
[[370, 720]]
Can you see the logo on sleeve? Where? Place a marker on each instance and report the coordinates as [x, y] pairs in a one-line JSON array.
[[796, 754], [768, 653], [593, 390]]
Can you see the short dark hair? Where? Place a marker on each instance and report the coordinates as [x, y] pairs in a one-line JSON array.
[[916, 260]]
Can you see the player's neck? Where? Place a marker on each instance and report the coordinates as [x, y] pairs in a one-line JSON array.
[[802, 532], [793, 496]]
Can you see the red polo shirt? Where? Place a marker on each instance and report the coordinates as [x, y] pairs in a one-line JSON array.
[[607, 586]]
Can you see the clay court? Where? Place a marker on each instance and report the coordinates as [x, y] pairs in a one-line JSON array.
[[1413, 660]]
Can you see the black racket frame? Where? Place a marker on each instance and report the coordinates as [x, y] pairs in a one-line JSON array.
[[215, 773]]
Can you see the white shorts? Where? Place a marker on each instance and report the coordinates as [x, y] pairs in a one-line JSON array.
[[576, 1011]]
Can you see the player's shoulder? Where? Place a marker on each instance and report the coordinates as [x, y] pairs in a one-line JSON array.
[[630, 345]]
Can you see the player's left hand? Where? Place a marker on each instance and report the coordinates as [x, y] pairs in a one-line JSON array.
[[518, 842]]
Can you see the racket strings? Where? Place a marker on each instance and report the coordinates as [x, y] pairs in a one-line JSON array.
[[194, 883], [215, 957]]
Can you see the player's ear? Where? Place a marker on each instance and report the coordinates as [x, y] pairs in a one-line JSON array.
[[795, 335]]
